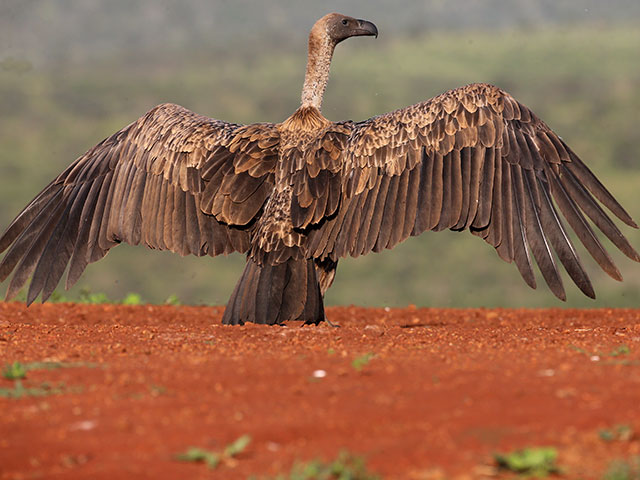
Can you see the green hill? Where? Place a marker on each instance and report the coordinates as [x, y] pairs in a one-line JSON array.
[[582, 80]]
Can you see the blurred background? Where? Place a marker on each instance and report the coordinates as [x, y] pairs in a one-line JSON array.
[[75, 71]]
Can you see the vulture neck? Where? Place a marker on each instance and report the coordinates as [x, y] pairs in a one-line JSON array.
[[318, 63]]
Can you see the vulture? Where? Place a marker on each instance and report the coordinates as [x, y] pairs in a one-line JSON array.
[[297, 196]]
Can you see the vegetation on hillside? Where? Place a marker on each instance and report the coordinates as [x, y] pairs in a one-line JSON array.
[[582, 80]]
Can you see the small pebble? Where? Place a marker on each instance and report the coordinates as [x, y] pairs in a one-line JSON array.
[[84, 425]]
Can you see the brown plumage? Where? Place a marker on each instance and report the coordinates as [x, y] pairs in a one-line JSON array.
[[298, 195]]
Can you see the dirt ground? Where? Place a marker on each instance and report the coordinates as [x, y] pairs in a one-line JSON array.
[[444, 390]]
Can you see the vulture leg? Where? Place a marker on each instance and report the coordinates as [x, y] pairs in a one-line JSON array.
[[272, 294]]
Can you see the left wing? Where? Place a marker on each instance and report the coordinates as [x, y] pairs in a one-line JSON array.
[[172, 180]]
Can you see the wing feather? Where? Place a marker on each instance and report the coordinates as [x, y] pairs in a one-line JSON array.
[[61, 244], [28, 230], [582, 228], [446, 196], [587, 178], [559, 239], [28, 262], [521, 252], [435, 203], [485, 193], [597, 215], [413, 191], [494, 234], [179, 230], [535, 234], [473, 158], [79, 258], [505, 248], [424, 193], [399, 212], [388, 215], [155, 181]]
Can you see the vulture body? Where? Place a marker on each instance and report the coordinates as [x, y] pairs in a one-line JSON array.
[[298, 195]]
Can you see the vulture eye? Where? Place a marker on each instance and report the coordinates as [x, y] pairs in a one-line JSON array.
[[345, 21]]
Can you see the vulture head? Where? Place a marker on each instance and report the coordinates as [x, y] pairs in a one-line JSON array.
[[325, 35], [337, 27]]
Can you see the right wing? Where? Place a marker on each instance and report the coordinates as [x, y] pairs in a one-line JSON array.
[[172, 180], [474, 159]]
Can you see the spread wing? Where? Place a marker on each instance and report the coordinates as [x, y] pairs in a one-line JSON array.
[[172, 180], [472, 159]]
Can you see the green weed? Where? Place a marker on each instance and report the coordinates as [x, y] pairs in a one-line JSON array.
[[157, 390], [538, 462], [42, 390], [173, 300], [360, 362], [621, 350], [237, 446], [196, 454], [616, 352], [346, 466], [212, 458], [86, 296], [14, 371], [623, 470], [622, 433], [132, 299], [56, 297], [17, 371]]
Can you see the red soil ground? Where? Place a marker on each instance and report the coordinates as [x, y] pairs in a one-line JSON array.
[[445, 390]]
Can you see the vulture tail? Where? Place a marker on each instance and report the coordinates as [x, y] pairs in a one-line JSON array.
[[272, 294]]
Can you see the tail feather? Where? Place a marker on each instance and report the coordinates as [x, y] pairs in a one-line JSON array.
[[272, 294]]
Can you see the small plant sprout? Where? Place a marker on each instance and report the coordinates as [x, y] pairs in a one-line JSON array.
[[213, 458], [621, 350], [616, 352], [132, 299], [157, 390], [44, 389], [173, 300], [237, 446], [86, 296], [360, 362], [17, 371], [14, 371], [197, 454], [539, 462], [345, 466], [621, 433], [623, 470]]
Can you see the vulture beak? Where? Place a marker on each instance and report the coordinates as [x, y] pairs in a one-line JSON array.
[[366, 28]]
